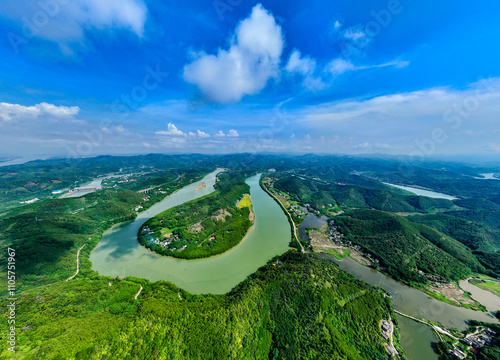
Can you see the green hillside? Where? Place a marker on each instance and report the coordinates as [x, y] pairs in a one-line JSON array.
[[203, 227], [404, 247], [304, 307]]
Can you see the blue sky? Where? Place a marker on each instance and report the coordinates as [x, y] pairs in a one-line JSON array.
[[83, 78]]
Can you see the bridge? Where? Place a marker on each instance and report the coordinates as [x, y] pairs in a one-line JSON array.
[[90, 188]]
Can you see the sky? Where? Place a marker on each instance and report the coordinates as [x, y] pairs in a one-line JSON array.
[[87, 77]]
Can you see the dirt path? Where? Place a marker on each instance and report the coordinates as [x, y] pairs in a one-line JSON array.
[[77, 263], [391, 332], [138, 293]]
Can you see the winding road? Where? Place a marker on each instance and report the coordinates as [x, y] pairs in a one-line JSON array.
[[77, 263]]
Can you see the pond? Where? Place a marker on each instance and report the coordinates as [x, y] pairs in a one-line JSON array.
[[310, 222]]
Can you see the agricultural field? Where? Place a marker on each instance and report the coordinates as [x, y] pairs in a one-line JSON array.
[[246, 202]]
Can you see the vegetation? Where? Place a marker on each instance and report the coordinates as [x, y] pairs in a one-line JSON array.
[[203, 227], [468, 228], [489, 352], [298, 306], [305, 307], [486, 283], [47, 234], [245, 202], [324, 196], [404, 248]]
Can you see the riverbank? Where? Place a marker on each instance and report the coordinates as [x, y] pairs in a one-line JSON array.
[[119, 253], [293, 227]]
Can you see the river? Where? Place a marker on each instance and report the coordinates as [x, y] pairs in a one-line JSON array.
[[120, 254], [421, 192], [415, 303], [488, 299]]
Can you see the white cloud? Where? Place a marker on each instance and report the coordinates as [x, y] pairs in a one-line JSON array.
[[495, 147], [365, 145], [10, 112], [305, 67], [171, 131], [337, 25], [445, 117], [202, 134], [299, 64], [354, 34], [340, 66], [252, 59], [177, 135], [66, 22]]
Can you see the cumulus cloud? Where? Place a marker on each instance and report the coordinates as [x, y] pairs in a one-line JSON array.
[[299, 64], [252, 59], [454, 118], [305, 67], [67, 22], [171, 131], [174, 134], [10, 112], [202, 135]]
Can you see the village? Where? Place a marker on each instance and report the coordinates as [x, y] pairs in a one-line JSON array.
[[482, 337], [152, 240], [387, 330]]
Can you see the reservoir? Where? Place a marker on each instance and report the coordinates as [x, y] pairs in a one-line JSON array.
[[120, 254], [421, 192]]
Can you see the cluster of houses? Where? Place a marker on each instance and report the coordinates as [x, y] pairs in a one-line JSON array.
[[475, 342], [156, 241], [296, 210], [386, 334], [481, 339], [311, 210], [338, 238]]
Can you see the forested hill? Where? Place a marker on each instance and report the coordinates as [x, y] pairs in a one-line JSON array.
[[298, 307], [405, 247], [320, 194], [203, 227], [47, 234]]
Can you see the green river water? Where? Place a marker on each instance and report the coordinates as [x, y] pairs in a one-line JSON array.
[[120, 254]]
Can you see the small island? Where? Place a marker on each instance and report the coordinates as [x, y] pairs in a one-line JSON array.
[[204, 227]]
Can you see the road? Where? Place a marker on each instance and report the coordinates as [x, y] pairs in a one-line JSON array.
[[77, 263], [138, 293], [435, 328], [289, 217]]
